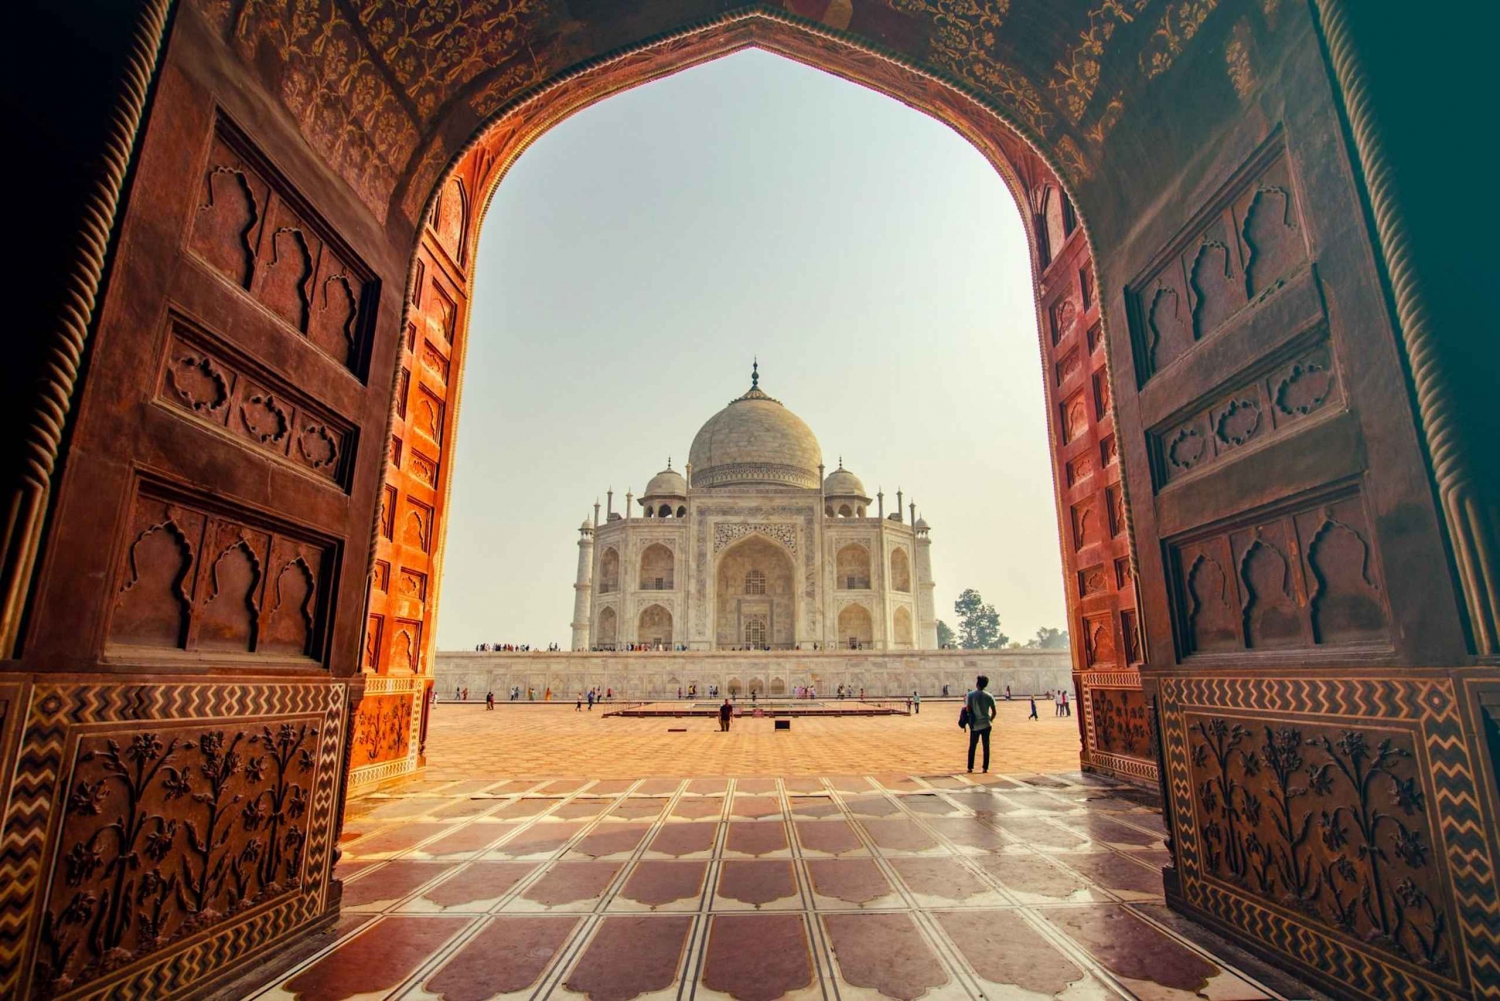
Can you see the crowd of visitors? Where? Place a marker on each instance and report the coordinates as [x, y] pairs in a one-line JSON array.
[[638, 648], [515, 648]]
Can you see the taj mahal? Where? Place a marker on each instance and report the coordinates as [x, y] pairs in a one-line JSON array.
[[752, 547]]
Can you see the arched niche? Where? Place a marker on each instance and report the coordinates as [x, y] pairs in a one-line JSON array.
[[900, 571], [856, 629], [657, 568], [852, 568], [755, 583], [655, 627]]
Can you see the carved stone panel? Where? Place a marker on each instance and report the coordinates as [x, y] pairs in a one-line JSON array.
[[214, 383], [230, 213], [382, 729], [1204, 278], [253, 229], [1120, 723], [1075, 418], [1273, 398], [191, 578], [1348, 844], [1302, 577], [177, 839]]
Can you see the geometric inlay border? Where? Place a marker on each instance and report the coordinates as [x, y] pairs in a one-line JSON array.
[[1429, 709], [56, 715]]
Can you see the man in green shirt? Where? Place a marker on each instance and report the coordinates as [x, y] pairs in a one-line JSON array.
[[982, 712]]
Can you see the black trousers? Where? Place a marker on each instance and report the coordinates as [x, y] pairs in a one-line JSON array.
[[975, 736]]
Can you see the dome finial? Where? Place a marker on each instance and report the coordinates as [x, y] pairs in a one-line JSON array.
[[669, 462], [841, 462], [755, 373]]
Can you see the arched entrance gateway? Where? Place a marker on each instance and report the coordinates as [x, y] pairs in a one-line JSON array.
[[239, 498]]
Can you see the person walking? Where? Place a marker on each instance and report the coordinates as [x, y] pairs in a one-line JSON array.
[[916, 701], [1007, 693], [981, 716], [1033, 707], [1067, 707], [578, 705], [591, 700], [725, 712], [489, 701]]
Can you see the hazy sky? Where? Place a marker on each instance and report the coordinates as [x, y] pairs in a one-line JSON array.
[[638, 256]]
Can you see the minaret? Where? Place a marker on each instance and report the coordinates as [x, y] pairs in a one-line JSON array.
[[596, 513], [629, 496], [898, 504], [926, 613], [610, 507], [880, 502], [583, 587]]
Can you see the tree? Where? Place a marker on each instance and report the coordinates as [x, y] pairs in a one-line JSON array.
[[978, 623], [1048, 638], [945, 634]]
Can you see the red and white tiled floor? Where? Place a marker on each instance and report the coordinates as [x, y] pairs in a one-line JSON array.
[[833, 888]]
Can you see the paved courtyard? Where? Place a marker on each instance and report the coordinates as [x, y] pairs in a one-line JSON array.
[[534, 741], [552, 855]]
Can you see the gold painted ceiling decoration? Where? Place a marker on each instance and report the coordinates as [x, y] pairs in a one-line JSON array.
[[388, 90]]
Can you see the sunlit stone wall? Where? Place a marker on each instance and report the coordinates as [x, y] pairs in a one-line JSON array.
[[659, 675]]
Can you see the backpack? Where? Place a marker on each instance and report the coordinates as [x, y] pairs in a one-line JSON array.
[[963, 715]]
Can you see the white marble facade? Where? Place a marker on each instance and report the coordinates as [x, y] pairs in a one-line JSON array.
[[752, 546]]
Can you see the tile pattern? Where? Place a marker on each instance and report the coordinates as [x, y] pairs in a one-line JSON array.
[[537, 741], [895, 886]]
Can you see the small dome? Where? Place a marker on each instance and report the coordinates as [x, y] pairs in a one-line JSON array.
[[842, 483], [755, 440], [921, 525], [587, 526], [667, 483]]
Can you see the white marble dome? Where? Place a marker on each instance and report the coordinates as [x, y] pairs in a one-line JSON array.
[[667, 483], [755, 440], [842, 483]]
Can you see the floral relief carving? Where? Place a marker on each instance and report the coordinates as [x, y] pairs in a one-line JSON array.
[[1179, 22], [1077, 74], [963, 42], [1331, 822], [382, 728], [726, 535], [1120, 721], [164, 837]]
